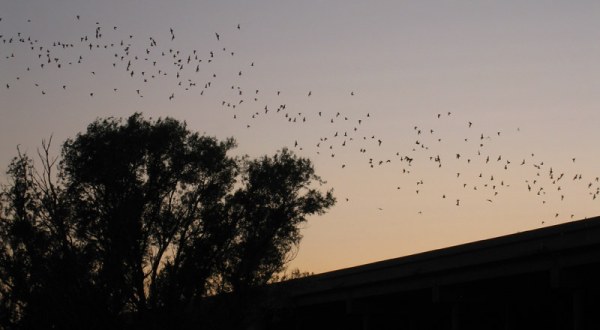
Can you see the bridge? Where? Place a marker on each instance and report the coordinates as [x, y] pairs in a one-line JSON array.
[[546, 278]]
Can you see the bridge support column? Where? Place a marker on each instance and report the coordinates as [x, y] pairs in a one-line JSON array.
[[366, 322], [578, 309], [455, 316], [508, 316]]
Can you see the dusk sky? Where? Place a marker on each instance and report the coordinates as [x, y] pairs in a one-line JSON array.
[[436, 123]]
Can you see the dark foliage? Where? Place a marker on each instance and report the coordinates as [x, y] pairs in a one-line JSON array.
[[146, 224]]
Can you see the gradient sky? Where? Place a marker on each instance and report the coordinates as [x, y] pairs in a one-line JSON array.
[[524, 73]]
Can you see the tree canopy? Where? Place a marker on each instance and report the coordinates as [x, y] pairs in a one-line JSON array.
[[140, 222]]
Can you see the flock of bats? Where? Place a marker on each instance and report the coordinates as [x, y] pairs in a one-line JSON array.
[[147, 60]]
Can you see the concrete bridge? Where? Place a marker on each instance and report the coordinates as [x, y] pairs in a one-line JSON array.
[[546, 278]]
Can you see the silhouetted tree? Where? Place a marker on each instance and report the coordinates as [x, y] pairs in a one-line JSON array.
[[146, 224]]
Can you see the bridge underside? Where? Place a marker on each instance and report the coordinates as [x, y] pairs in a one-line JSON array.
[[527, 301], [542, 279]]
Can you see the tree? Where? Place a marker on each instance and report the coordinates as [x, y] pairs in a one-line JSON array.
[[142, 223]]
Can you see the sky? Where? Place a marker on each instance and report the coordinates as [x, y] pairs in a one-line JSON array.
[[436, 123]]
